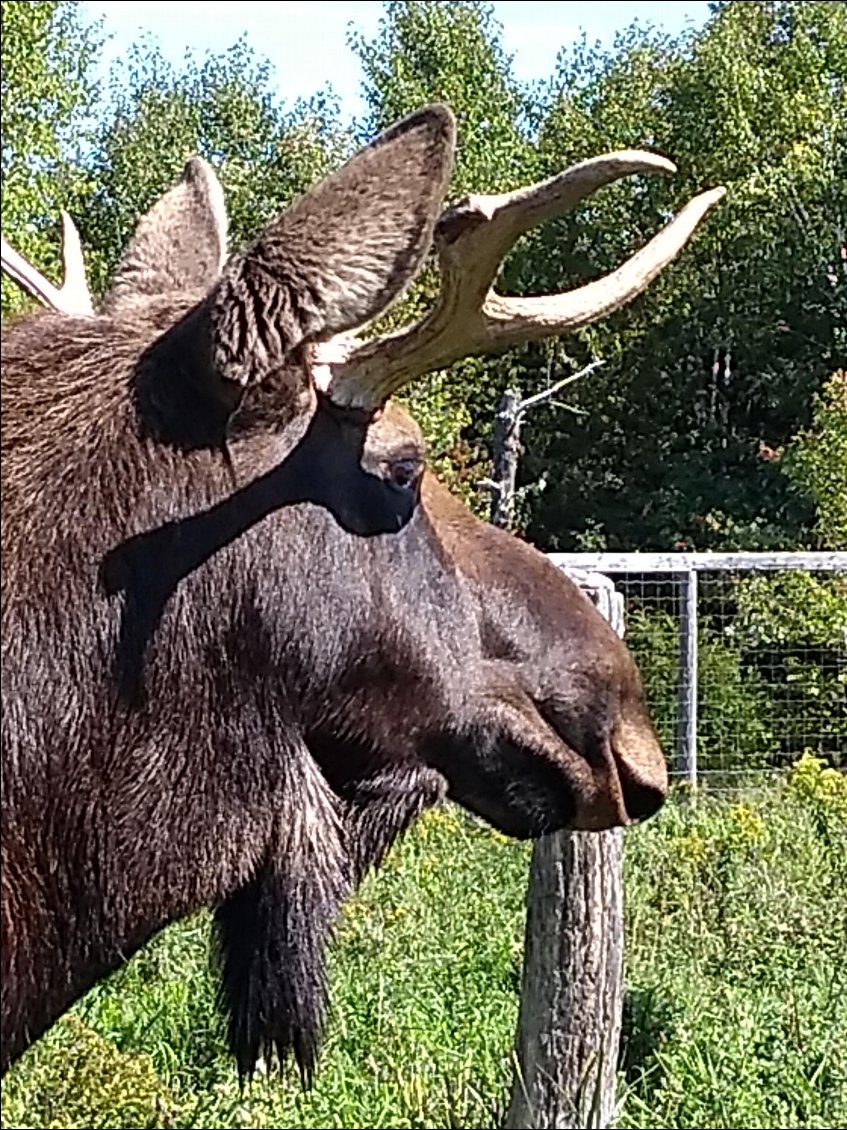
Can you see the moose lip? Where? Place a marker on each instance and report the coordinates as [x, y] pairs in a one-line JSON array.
[[525, 796], [535, 815], [507, 785], [518, 825]]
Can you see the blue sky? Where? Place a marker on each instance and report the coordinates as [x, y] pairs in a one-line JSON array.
[[306, 41]]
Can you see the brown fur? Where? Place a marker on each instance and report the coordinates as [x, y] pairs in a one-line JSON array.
[[245, 640]]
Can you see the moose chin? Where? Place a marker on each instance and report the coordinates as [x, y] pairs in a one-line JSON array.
[[248, 637]]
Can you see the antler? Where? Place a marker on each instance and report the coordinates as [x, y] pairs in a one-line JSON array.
[[470, 317], [73, 297]]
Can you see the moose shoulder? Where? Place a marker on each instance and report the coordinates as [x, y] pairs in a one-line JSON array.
[[247, 636]]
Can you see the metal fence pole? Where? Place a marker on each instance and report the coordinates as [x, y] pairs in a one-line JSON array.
[[687, 737]]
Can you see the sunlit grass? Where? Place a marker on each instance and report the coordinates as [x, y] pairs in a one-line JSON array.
[[736, 1008]]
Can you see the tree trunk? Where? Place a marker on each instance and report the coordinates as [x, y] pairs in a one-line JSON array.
[[507, 452], [572, 995]]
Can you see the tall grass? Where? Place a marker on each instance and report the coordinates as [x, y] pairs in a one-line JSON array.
[[736, 1008]]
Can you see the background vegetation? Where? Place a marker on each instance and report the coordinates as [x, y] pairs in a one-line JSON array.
[[736, 1004], [675, 441], [719, 421]]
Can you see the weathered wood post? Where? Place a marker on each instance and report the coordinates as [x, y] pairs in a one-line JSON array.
[[572, 993]]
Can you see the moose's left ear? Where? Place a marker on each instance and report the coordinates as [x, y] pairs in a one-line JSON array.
[[179, 245]]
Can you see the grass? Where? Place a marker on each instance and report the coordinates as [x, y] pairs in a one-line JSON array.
[[736, 1008]]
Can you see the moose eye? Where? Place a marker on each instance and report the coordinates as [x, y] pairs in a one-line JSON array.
[[404, 473]]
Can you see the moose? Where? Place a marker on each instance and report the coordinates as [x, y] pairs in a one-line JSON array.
[[248, 637]]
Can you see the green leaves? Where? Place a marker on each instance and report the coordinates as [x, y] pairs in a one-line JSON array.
[[45, 94], [723, 352], [223, 109], [105, 155], [451, 53], [711, 371], [718, 360], [816, 462]]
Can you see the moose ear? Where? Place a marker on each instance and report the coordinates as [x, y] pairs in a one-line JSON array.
[[179, 245], [340, 254]]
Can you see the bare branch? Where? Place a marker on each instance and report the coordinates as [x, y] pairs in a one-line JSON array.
[[471, 318], [540, 397], [73, 297]]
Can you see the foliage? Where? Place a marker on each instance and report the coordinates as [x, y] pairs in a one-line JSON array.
[[736, 920], [451, 53], [823, 789], [772, 667], [738, 996], [45, 92], [707, 375], [95, 1075], [715, 365], [816, 461], [225, 110], [737, 723], [793, 625]]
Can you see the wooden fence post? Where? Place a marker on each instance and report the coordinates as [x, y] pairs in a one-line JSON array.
[[572, 993]]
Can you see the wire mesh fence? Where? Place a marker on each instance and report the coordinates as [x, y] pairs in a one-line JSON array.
[[744, 656]]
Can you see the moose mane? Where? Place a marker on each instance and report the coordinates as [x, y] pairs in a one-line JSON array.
[[271, 935]]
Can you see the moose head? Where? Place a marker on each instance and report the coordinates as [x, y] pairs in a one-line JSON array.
[[247, 635]]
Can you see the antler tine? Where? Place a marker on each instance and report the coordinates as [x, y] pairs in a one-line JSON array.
[[489, 225], [511, 321], [470, 318], [75, 282], [73, 297]]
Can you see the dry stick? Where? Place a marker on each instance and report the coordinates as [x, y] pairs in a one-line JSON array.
[[507, 444], [540, 397]]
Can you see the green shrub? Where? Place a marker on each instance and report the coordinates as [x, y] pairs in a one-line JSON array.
[[816, 462], [736, 988], [737, 726], [737, 925], [77, 1078]]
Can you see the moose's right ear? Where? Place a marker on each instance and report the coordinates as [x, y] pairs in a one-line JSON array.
[[179, 244], [340, 254]]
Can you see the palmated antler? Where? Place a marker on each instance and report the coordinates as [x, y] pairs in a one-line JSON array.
[[470, 317], [73, 296]]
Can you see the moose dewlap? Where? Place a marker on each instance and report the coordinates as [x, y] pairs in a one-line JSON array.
[[247, 636]]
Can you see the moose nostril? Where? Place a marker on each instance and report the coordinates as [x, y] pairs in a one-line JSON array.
[[641, 800]]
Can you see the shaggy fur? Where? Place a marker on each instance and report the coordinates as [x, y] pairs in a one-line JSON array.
[[247, 639]]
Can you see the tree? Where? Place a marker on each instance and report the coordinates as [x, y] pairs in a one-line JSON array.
[[223, 109], [105, 167], [710, 370], [46, 88], [718, 361], [816, 462]]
